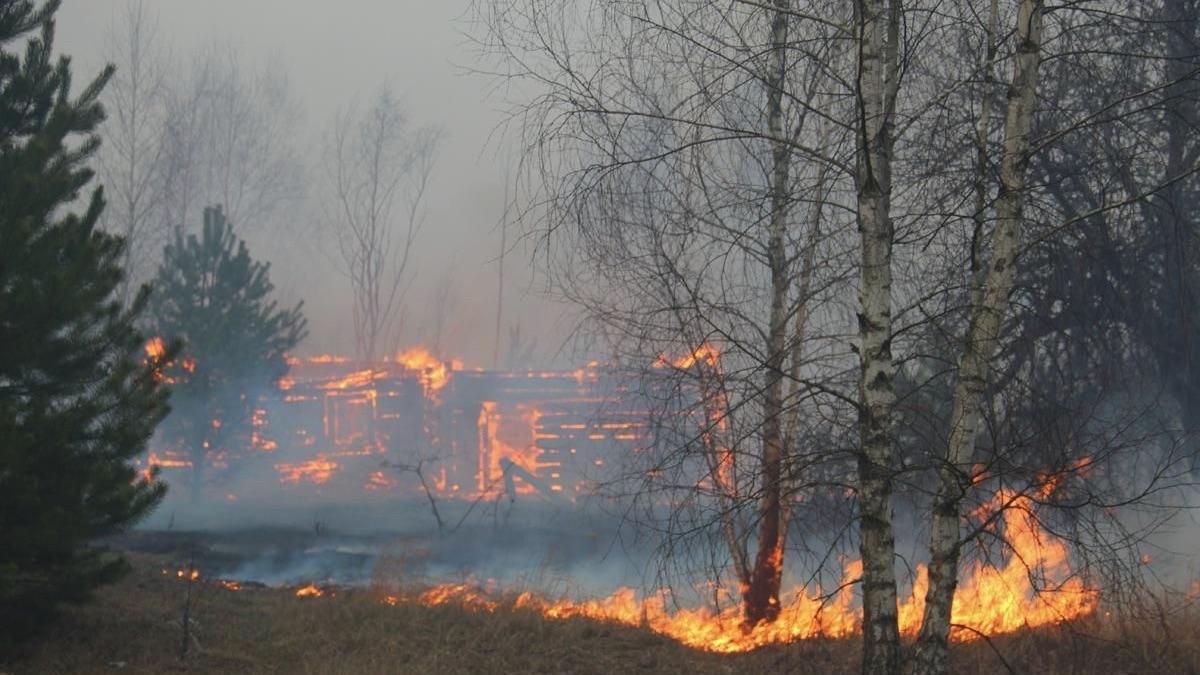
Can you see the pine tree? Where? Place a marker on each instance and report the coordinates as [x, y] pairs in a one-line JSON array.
[[211, 295], [78, 400]]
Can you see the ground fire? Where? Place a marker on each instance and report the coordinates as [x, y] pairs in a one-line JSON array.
[[1033, 586]]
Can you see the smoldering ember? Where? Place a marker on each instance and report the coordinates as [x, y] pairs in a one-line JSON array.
[[548, 336]]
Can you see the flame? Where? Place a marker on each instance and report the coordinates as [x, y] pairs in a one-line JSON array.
[[463, 594], [993, 600], [356, 379], [156, 353], [170, 459], [990, 600], [705, 353], [432, 370], [512, 437], [321, 359], [156, 349], [309, 591]]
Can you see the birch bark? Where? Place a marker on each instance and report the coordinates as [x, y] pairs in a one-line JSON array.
[[979, 346], [876, 87]]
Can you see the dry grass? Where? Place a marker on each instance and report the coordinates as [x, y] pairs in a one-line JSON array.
[[135, 627]]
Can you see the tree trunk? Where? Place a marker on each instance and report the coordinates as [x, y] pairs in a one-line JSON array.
[[761, 601], [979, 347], [878, 70]]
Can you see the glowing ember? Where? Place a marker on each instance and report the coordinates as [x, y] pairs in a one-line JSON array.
[[192, 574], [317, 471], [378, 480]]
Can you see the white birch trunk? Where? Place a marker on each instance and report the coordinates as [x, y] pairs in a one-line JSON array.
[[876, 90], [980, 345]]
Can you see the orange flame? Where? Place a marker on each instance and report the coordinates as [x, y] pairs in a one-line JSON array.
[[156, 349], [309, 591], [432, 370], [1004, 599], [465, 595], [359, 378], [990, 600], [317, 471], [156, 352], [510, 437], [705, 353], [322, 358]]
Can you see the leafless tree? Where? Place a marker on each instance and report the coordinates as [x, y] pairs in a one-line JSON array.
[[188, 131], [693, 176], [230, 140], [131, 158], [378, 165]]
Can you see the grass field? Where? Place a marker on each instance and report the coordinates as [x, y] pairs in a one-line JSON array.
[[136, 627]]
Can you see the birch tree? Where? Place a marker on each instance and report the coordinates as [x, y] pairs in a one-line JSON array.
[[987, 309], [877, 86]]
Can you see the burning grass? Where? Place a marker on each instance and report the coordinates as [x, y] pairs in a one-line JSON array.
[[135, 627]]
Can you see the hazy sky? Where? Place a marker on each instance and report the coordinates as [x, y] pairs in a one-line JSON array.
[[338, 52]]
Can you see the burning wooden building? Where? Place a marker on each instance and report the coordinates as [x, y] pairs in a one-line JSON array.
[[343, 428]]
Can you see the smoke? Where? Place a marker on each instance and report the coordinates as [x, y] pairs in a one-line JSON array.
[[518, 545]]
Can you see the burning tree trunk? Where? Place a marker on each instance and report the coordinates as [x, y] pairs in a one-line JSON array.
[[761, 601], [677, 228], [986, 312], [877, 83]]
